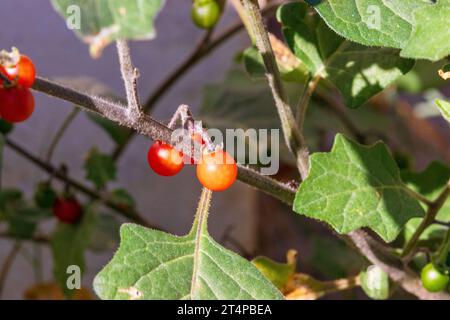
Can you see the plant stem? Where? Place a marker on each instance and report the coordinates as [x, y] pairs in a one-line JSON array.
[[311, 86], [202, 49], [443, 250], [292, 135], [430, 217], [59, 134], [128, 213], [7, 264], [129, 75]]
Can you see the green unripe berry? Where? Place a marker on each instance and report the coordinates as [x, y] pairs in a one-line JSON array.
[[434, 280], [205, 13]]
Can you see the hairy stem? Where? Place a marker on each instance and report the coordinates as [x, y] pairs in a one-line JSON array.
[[292, 135], [60, 132], [203, 49], [130, 75], [304, 101]]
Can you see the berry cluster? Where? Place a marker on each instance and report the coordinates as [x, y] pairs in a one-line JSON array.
[[17, 75], [216, 170]]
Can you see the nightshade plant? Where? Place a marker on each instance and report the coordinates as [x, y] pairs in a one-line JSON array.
[[347, 63]]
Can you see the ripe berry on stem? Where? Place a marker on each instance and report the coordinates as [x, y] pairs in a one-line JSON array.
[[67, 209], [217, 170], [433, 279], [16, 104], [205, 13], [164, 159], [24, 72]]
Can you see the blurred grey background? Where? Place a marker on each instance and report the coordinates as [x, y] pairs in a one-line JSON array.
[[37, 30]]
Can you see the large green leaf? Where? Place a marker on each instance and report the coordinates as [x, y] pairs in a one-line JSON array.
[[68, 244], [103, 21], [355, 186], [418, 27], [358, 71], [152, 264]]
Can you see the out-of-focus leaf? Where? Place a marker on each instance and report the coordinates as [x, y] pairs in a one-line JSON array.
[[68, 244], [342, 263], [100, 168], [99, 22], [105, 234], [92, 86], [444, 108], [51, 291], [24, 220], [423, 76], [122, 198], [278, 273], [429, 183]]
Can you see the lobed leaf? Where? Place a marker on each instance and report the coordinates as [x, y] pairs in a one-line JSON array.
[[355, 186]]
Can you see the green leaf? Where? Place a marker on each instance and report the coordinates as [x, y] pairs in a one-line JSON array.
[[105, 235], [375, 283], [424, 76], [444, 108], [122, 198], [68, 244], [100, 168], [278, 273], [429, 183], [355, 186], [102, 21], [358, 71], [402, 24], [24, 220], [291, 68], [92, 86], [10, 201], [117, 133], [152, 264], [342, 263]]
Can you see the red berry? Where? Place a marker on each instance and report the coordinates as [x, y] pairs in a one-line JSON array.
[[164, 159], [217, 171], [67, 210], [24, 72], [16, 104]]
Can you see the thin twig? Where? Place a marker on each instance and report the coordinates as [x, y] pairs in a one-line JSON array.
[[154, 129], [7, 264], [429, 219], [202, 49], [304, 101], [60, 132], [293, 136], [130, 75], [48, 167]]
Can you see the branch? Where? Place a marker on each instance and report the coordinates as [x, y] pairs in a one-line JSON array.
[[7, 264], [293, 136], [409, 282], [154, 129], [128, 213], [304, 101], [202, 49], [158, 131], [429, 219], [58, 135], [130, 75]]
